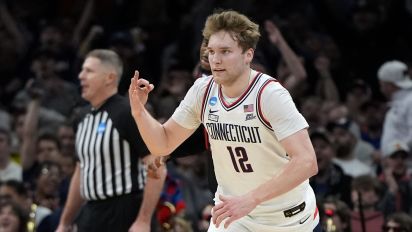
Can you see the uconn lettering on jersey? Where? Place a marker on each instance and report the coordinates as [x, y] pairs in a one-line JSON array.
[[233, 133]]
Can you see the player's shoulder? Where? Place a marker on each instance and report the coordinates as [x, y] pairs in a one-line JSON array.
[[202, 83], [204, 80], [269, 83]]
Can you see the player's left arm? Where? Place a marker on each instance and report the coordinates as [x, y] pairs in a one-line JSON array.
[[151, 194], [302, 166]]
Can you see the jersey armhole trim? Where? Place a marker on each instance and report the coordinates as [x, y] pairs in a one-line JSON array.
[[261, 117]]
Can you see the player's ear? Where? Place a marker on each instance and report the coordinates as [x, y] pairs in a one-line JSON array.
[[249, 55]]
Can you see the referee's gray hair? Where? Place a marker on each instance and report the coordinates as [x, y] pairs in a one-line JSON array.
[[108, 57]]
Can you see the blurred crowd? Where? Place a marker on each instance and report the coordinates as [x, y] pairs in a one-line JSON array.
[[346, 63]]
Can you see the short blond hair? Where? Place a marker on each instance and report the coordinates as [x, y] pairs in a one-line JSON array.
[[240, 27]]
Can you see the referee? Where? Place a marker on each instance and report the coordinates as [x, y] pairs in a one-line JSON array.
[[109, 180]]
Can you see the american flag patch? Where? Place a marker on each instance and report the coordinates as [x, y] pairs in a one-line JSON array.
[[248, 108]]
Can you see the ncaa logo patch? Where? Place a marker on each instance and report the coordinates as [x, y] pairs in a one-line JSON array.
[[213, 101], [101, 128]]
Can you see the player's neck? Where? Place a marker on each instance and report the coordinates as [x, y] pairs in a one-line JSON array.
[[238, 87]]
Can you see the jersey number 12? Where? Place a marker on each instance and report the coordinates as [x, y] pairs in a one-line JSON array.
[[239, 158]]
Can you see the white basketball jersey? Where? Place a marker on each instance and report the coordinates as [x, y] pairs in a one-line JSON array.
[[246, 152]]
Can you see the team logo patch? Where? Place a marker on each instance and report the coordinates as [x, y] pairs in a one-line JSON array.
[[213, 101], [101, 128]]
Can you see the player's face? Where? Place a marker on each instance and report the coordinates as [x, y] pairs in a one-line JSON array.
[[92, 79], [226, 58]]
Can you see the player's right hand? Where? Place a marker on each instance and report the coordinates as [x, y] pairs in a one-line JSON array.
[[139, 90]]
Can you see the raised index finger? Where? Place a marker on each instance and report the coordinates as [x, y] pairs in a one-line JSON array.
[[135, 79]]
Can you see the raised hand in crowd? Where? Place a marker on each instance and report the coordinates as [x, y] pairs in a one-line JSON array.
[[292, 61], [274, 34], [326, 87]]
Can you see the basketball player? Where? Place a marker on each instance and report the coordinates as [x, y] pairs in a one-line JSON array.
[[261, 150]]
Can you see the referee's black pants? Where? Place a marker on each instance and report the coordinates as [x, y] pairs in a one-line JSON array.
[[116, 214]]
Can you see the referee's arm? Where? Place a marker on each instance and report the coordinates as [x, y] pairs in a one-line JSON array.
[[73, 203], [151, 194]]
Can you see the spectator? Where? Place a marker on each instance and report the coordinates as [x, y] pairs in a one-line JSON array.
[[326, 87], [330, 181], [396, 178], [47, 148], [350, 150], [310, 108], [9, 170], [396, 85], [358, 94], [295, 72], [12, 217], [366, 194], [176, 81], [5, 119], [13, 50], [65, 134], [398, 222], [371, 117], [17, 192], [337, 216], [48, 180]]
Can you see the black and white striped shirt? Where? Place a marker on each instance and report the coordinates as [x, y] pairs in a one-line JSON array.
[[109, 148]]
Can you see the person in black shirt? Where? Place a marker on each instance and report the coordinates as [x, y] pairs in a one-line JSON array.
[[110, 174], [331, 181]]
